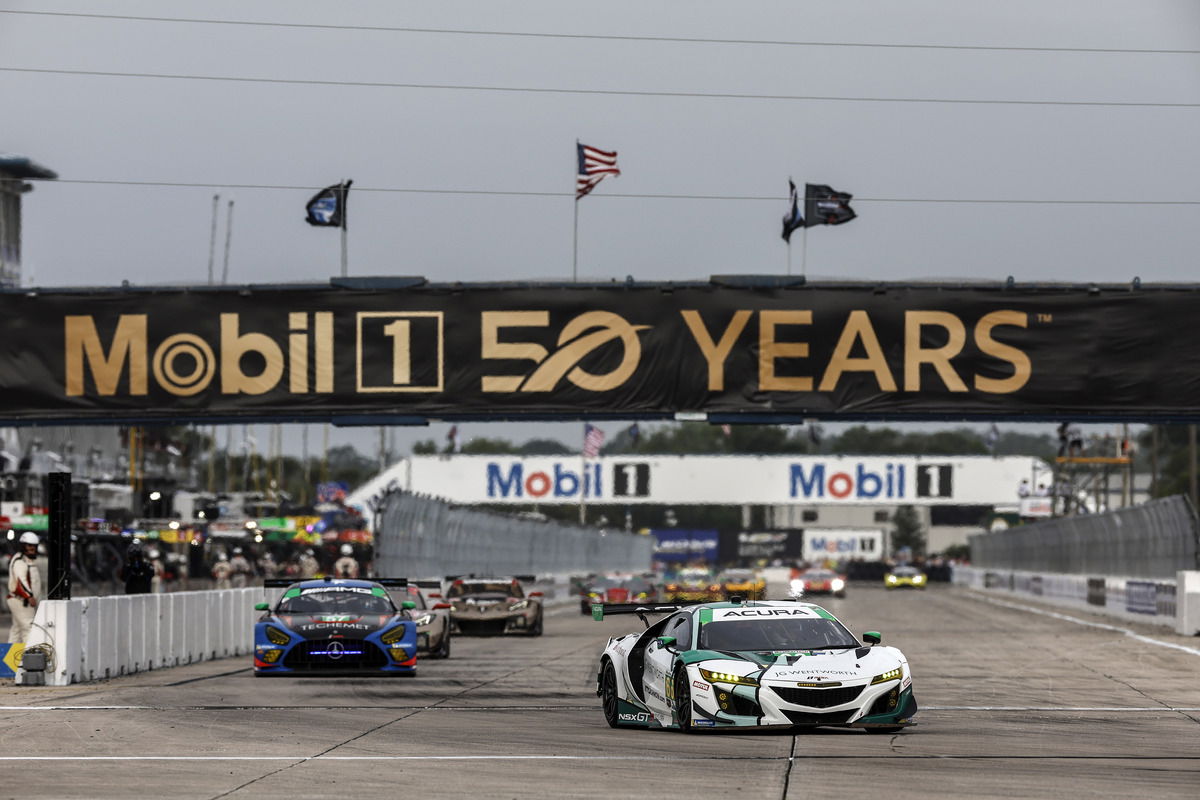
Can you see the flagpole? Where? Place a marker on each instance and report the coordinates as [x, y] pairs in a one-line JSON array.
[[789, 257], [342, 209], [575, 247], [212, 238], [583, 480], [228, 240], [804, 254]]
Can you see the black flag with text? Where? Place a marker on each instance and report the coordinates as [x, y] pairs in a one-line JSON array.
[[327, 208], [824, 206]]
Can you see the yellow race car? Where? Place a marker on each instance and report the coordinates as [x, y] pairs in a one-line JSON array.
[[745, 583], [905, 577]]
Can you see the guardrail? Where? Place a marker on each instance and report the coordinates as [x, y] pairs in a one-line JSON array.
[[1174, 603]]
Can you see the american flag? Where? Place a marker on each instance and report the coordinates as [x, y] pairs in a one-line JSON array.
[[593, 438], [593, 166]]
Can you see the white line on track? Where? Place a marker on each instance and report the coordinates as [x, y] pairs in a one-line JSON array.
[[1148, 640], [1105, 709], [388, 758]]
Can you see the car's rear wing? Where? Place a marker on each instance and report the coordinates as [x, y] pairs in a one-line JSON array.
[[277, 583], [426, 583], [599, 610]]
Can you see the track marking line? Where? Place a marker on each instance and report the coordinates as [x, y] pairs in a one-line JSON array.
[[1088, 623], [1105, 709], [783, 757]]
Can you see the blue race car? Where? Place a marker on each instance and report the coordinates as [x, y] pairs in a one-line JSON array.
[[331, 626]]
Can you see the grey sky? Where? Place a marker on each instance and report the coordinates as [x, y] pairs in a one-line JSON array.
[[98, 128]]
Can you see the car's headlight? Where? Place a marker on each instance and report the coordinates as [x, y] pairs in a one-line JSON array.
[[727, 677], [276, 636], [424, 619], [892, 579], [919, 579], [399, 654], [890, 675], [838, 584], [270, 656], [394, 635], [518, 606]]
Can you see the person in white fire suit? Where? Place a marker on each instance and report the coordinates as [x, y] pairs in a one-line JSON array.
[[347, 565], [24, 587]]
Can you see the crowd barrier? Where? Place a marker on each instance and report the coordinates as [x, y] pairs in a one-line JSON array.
[[93, 638], [1159, 601]]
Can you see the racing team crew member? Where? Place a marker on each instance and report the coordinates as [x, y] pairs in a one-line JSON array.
[[347, 565], [24, 587], [138, 572]]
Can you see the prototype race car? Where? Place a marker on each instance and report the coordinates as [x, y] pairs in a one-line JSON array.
[[693, 585], [745, 583], [494, 606], [335, 626], [818, 581], [910, 577], [757, 664]]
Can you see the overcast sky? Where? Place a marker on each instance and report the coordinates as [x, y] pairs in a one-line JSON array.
[[471, 177]]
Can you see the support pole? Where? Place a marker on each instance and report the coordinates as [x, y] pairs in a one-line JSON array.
[[212, 238], [228, 242], [58, 490]]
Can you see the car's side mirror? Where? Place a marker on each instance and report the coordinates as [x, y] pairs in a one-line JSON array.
[[408, 605], [441, 606], [872, 637], [666, 641], [262, 606], [536, 594]]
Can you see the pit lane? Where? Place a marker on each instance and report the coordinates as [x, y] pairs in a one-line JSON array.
[[1014, 704]]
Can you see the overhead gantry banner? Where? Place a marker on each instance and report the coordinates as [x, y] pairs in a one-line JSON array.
[[446, 351]]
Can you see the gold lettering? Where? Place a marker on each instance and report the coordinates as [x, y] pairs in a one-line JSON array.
[[769, 350], [234, 346], [716, 353], [858, 328], [204, 364], [570, 353], [298, 353], [323, 345], [1022, 367], [491, 322], [938, 357], [83, 344]]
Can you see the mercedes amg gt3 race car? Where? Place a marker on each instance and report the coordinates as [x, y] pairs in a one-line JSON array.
[[764, 664], [330, 626]]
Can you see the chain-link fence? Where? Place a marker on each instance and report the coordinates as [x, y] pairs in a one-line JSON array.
[[419, 536], [1152, 540]]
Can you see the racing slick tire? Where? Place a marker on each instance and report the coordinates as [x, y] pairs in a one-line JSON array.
[[608, 693], [683, 700], [536, 630], [443, 650]]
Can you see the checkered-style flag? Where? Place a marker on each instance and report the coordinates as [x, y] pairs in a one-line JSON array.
[[594, 165], [593, 438]]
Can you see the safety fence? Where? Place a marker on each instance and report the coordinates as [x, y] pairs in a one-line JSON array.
[[93, 638], [417, 536], [1173, 602], [1153, 540]]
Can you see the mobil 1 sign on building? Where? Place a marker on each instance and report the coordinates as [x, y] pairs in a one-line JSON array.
[[710, 480]]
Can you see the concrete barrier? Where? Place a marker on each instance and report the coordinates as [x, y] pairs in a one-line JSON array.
[[1174, 603], [93, 638]]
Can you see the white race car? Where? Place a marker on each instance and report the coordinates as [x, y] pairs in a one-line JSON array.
[[750, 665]]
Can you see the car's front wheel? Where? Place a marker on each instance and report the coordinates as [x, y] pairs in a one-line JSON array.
[[536, 630], [608, 693], [443, 650], [683, 700]]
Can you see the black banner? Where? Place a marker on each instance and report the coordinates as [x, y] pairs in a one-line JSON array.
[[466, 351]]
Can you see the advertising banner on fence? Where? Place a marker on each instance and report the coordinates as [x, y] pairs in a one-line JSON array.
[[650, 349], [762, 480]]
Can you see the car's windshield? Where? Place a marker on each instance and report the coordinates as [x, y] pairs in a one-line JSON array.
[[818, 575], [483, 587], [693, 575], [739, 576], [906, 571], [775, 634], [357, 601]]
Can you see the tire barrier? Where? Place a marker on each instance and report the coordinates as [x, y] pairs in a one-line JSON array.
[[417, 536]]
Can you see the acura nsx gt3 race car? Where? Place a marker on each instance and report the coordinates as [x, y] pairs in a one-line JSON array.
[[331, 626], [765, 664], [899, 577], [494, 606]]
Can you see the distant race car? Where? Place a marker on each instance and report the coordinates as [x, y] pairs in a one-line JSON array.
[[693, 585], [744, 583], [909, 577], [494, 606], [758, 664], [432, 617], [333, 625], [818, 581], [618, 589]]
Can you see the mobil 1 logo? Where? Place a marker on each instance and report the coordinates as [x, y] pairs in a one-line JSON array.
[[631, 479], [399, 351], [935, 480]]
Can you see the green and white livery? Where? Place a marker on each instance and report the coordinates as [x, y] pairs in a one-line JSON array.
[[765, 664]]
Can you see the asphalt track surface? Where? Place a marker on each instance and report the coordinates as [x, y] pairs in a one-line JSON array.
[[1014, 704]]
